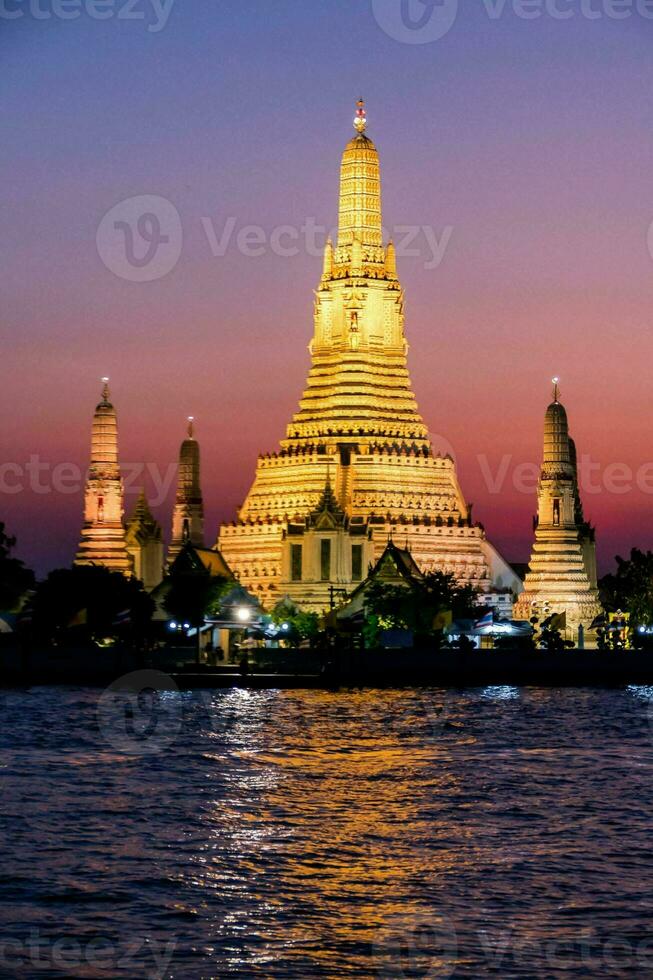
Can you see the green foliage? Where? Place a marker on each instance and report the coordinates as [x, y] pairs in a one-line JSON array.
[[371, 631], [303, 625], [416, 605], [89, 597], [15, 579], [630, 588]]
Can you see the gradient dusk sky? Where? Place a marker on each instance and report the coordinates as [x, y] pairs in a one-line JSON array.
[[532, 139]]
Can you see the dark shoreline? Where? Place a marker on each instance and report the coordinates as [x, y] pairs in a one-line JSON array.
[[340, 668]]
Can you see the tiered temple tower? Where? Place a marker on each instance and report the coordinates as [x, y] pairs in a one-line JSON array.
[[562, 570], [358, 430], [188, 515], [144, 541], [103, 534]]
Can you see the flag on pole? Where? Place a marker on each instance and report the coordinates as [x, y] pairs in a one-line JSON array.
[[487, 620], [556, 621], [123, 618], [443, 619], [79, 619]]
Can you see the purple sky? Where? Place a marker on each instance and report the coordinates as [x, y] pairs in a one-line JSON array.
[[532, 140]]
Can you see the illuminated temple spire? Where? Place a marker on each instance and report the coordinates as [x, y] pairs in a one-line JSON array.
[[359, 212], [562, 570], [358, 386], [356, 465], [103, 533], [188, 515]]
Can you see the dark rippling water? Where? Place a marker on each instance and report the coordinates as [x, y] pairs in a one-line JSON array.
[[306, 834]]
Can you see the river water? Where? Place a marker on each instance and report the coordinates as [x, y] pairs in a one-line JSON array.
[[300, 834]]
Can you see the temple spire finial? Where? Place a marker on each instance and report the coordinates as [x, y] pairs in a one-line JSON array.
[[105, 390], [360, 119], [359, 210], [191, 426], [556, 389]]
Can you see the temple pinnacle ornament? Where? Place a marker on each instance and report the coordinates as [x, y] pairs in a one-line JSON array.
[[360, 119]]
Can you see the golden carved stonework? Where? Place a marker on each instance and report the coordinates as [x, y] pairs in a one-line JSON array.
[[358, 430]]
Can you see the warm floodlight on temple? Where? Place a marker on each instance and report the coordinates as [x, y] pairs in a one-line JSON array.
[[356, 466]]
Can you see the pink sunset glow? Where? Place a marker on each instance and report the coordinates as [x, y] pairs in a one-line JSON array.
[[539, 163]]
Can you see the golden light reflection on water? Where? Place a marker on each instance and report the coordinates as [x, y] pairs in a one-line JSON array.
[[331, 811], [360, 827], [292, 835]]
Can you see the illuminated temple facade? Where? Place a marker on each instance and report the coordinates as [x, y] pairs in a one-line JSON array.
[[356, 467], [562, 570]]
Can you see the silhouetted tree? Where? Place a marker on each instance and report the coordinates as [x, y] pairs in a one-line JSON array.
[[630, 588], [192, 596], [90, 599], [15, 579]]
